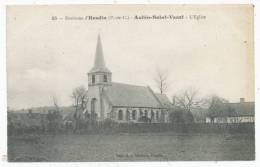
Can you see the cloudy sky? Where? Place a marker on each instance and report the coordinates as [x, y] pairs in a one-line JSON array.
[[48, 58]]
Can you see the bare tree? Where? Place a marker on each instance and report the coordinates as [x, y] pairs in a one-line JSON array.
[[187, 99], [161, 81], [213, 100], [55, 102], [54, 117], [79, 96], [214, 104]]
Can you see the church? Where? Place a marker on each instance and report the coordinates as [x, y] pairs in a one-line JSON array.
[[122, 102]]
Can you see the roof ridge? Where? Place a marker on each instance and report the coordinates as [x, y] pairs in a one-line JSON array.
[[128, 84]]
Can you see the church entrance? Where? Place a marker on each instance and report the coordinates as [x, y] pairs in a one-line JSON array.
[[93, 114]]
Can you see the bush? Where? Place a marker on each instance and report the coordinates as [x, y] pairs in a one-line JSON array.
[[181, 116], [55, 122], [109, 124]]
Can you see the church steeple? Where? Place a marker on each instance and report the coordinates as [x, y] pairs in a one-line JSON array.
[[99, 74], [99, 64]]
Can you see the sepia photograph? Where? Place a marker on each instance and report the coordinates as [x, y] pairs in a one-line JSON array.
[[130, 83]]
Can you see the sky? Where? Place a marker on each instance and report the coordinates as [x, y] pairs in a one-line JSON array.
[[48, 57]]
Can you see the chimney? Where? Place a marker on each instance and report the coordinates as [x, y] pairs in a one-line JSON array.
[[242, 100]]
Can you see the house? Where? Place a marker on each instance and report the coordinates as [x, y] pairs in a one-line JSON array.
[[242, 112], [122, 102]]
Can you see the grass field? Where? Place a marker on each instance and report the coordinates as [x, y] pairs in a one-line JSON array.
[[131, 147]]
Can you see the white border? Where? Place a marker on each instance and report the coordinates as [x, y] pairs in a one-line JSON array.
[[3, 122]]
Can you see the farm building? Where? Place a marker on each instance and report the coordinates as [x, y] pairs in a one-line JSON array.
[[241, 112], [122, 102]]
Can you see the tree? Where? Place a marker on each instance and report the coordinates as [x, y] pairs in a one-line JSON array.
[[181, 116], [176, 116], [181, 119], [54, 117], [79, 96], [212, 100], [161, 80], [214, 104], [55, 103], [187, 99]]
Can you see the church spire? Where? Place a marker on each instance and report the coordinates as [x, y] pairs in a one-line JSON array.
[[99, 58], [99, 64], [99, 74]]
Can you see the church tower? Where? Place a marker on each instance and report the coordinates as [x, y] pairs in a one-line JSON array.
[[99, 74], [98, 78]]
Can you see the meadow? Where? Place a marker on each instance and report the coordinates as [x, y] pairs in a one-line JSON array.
[[166, 146]]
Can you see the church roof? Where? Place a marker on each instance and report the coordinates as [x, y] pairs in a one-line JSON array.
[[99, 64], [164, 100], [125, 95]]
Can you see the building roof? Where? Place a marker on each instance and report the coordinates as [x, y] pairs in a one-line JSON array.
[[99, 65], [235, 109], [243, 108], [126, 95], [164, 100]]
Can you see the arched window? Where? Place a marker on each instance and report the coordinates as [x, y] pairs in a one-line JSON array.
[[120, 115], [127, 115], [93, 79], [134, 114], [105, 78], [157, 115]]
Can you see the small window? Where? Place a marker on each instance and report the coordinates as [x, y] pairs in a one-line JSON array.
[[93, 79], [105, 78]]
